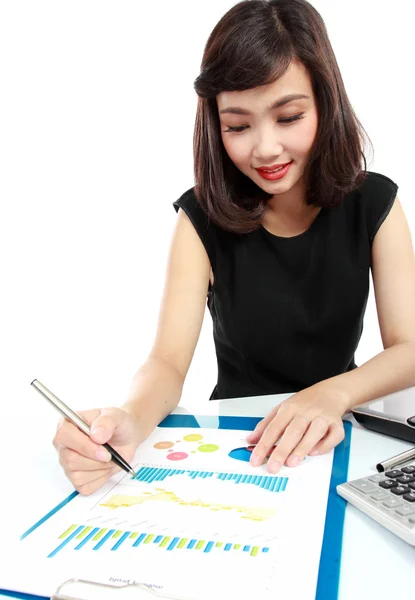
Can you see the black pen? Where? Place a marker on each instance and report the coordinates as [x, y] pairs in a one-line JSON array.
[[80, 423]]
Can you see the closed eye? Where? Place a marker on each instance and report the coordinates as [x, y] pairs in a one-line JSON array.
[[282, 120]]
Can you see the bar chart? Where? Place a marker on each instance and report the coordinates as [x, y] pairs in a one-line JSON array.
[[271, 483], [96, 538]]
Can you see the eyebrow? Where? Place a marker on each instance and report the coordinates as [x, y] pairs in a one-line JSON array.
[[236, 110]]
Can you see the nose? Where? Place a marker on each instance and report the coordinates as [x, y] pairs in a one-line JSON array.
[[267, 148]]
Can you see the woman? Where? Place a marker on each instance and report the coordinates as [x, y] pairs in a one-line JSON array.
[[279, 234]]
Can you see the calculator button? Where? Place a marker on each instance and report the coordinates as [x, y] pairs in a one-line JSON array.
[[377, 478], [405, 509], [388, 484], [408, 470], [392, 502], [400, 490], [405, 479], [380, 495], [412, 485], [393, 474], [411, 421], [363, 486], [410, 497]]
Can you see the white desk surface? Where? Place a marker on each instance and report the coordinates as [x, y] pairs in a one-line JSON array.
[[375, 563]]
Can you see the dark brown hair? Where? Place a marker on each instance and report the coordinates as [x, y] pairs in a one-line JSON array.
[[252, 45]]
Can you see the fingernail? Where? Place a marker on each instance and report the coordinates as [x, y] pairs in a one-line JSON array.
[[293, 460], [256, 460], [313, 453], [274, 466], [103, 455]]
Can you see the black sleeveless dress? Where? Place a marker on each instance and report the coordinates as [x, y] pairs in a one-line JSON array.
[[288, 312]]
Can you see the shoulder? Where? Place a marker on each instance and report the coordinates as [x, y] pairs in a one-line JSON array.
[[375, 195], [376, 185], [206, 230]]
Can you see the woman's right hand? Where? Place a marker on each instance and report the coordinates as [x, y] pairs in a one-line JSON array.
[[85, 461]]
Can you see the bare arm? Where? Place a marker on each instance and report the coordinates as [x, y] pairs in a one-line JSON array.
[[157, 386]]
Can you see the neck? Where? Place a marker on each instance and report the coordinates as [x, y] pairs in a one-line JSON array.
[[291, 203]]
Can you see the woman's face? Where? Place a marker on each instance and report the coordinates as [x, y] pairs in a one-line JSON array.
[[263, 136]]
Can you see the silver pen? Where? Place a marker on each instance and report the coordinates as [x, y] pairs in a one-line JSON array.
[[80, 423], [390, 463]]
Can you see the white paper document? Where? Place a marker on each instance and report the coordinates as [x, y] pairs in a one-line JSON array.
[[197, 522]]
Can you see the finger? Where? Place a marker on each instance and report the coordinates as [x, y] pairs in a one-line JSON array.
[[270, 436], [293, 433], [69, 436], [87, 486], [316, 431], [103, 427], [334, 436], [71, 460], [255, 435]]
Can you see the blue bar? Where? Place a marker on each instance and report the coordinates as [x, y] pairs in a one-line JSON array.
[[210, 474], [250, 477], [238, 479], [263, 482], [244, 478], [139, 540], [204, 475], [120, 541], [227, 547], [143, 472], [158, 539], [284, 484], [191, 544], [265, 549], [279, 483], [269, 481], [68, 539], [104, 539], [154, 475], [234, 476], [228, 476], [173, 543], [163, 474], [137, 475], [274, 483], [208, 547], [87, 538], [181, 472], [190, 473], [149, 474], [246, 548]]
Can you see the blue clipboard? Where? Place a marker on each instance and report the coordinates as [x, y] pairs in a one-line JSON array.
[[330, 559]]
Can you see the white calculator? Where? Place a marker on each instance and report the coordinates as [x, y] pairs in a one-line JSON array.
[[389, 498]]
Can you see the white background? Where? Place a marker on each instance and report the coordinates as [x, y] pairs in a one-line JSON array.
[[96, 122]]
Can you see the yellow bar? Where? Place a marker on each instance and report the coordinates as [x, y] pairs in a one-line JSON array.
[[219, 544], [117, 534], [237, 546], [134, 534], [83, 533], [67, 532], [99, 535], [182, 543], [254, 550], [148, 538], [164, 541], [200, 544]]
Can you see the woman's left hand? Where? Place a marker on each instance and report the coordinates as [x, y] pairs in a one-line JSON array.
[[308, 423]]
